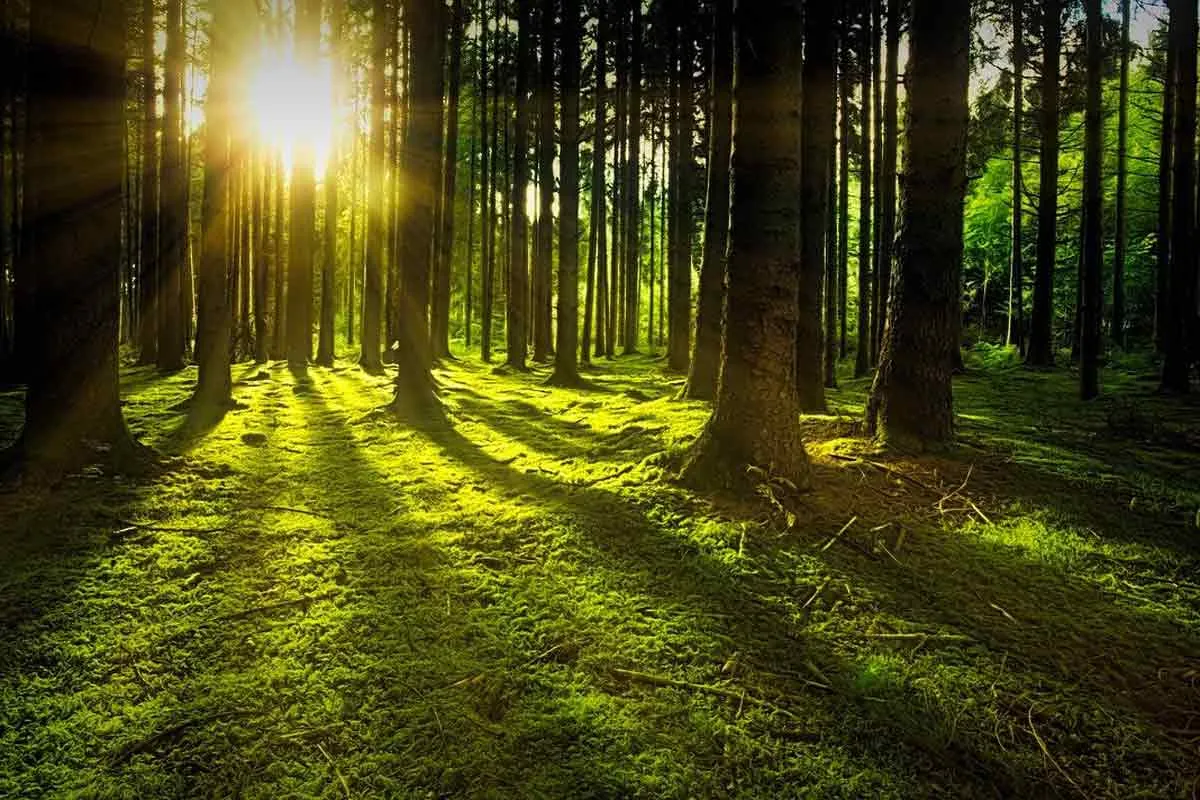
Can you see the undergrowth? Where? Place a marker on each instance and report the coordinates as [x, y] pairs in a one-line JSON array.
[[315, 600]]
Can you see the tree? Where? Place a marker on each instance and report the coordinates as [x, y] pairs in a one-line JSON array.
[[887, 180], [73, 174], [518, 258], [566, 353], [415, 391], [1122, 232], [543, 260], [303, 215], [862, 357], [173, 219], [1041, 334], [706, 353], [440, 310], [598, 253], [1162, 243], [329, 260], [631, 229], [754, 417], [372, 316], [912, 400], [1182, 286], [148, 278], [1091, 290], [679, 301], [1016, 277], [817, 149]]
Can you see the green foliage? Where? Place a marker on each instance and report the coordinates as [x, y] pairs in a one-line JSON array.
[[318, 601]]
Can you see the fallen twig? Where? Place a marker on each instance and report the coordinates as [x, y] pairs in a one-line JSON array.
[[721, 691], [1046, 751], [838, 535], [963, 485]]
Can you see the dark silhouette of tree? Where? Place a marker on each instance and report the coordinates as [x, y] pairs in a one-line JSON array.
[[1162, 238], [862, 356], [566, 354], [543, 260], [329, 259], [518, 275], [440, 310], [148, 277], [372, 316], [679, 300], [706, 353], [887, 180], [1091, 289], [754, 417], [1041, 334], [173, 219], [1122, 233], [1016, 265], [911, 401]]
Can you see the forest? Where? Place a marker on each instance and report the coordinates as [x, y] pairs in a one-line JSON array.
[[599, 399]]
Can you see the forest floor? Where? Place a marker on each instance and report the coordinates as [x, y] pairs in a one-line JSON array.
[[315, 600]]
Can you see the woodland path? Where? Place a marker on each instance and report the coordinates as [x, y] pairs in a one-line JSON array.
[[316, 600]]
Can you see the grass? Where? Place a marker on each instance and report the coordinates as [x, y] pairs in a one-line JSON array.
[[315, 600]]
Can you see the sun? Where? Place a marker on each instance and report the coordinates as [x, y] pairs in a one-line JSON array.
[[290, 107]]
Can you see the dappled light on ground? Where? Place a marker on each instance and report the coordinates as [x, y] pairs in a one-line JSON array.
[[317, 599]]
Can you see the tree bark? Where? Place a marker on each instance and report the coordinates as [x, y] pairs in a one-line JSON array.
[[1092, 291], [566, 353], [817, 147], [706, 354], [1016, 280], [329, 261], [632, 194], [545, 226], [518, 276], [680, 300], [1041, 334], [597, 260], [303, 208], [862, 356], [887, 181], [173, 249], [372, 316], [1162, 244], [1122, 232], [440, 312], [911, 401], [754, 421], [148, 277]]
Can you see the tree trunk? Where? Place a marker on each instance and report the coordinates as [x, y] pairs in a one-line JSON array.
[[1162, 238], [632, 195], [490, 142], [862, 356], [1092, 308], [887, 181], [876, 159], [1182, 288], [214, 329], [545, 226], [706, 354], [680, 300], [817, 146], [911, 401], [279, 265], [303, 207], [597, 261], [372, 313], [420, 161], [173, 249], [1041, 333], [831, 290], [440, 312], [261, 184], [844, 93], [754, 419], [518, 254], [329, 260], [148, 278], [1015, 266], [1122, 232], [72, 195], [566, 355]]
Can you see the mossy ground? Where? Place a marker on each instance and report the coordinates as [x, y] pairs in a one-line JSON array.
[[315, 600]]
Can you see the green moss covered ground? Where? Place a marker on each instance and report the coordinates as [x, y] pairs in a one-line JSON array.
[[315, 600]]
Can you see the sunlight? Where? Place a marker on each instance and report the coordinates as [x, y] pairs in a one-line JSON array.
[[290, 107]]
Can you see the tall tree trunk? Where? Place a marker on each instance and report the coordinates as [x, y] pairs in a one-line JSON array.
[[261, 185], [329, 261], [911, 401], [440, 311], [279, 257], [372, 315], [1092, 308], [303, 207], [862, 356], [632, 193], [566, 351], [754, 419], [173, 251], [1041, 331], [706, 354], [844, 93], [72, 195], [1122, 232], [214, 328], [545, 226], [148, 277], [1182, 287], [680, 300], [491, 142], [594, 293], [1016, 281], [518, 263], [816, 147], [423, 147], [877, 35], [887, 181], [1162, 238], [831, 290]]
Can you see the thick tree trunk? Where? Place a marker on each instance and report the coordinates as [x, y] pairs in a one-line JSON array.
[[754, 421], [372, 315], [566, 355], [1182, 287], [518, 263], [72, 195], [912, 401], [1016, 279], [173, 249], [1122, 232], [1092, 291], [706, 354], [817, 147], [862, 355], [214, 329], [1041, 333], [422, 141]]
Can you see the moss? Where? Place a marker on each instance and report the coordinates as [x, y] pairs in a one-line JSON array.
[[317, 592]]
